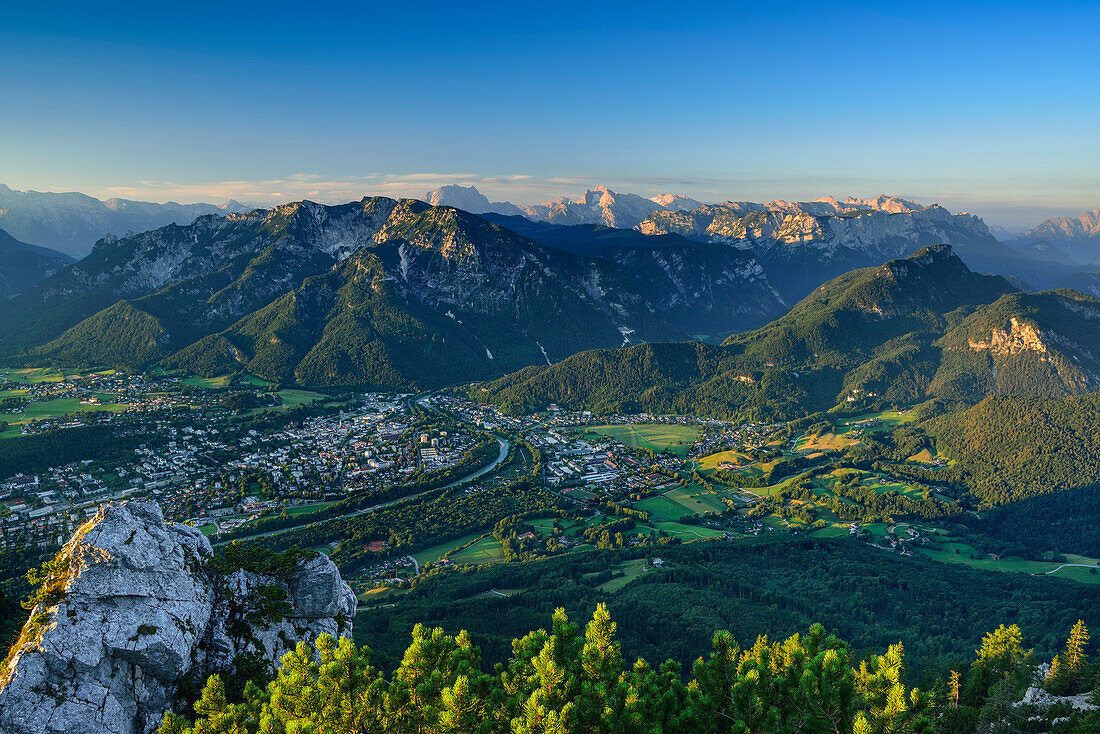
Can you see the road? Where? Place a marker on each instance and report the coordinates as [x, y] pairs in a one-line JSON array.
[[1070, 565]]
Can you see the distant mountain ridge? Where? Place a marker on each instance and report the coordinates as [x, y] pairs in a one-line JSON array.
[[919, 327], [600, 205], [23, 265], [799, 244], [73, 222], [709, 291], [1078, 237], [802, 243]]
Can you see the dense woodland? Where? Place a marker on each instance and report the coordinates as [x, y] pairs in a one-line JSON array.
[[41, 451], [868, 597], [1016, 448]]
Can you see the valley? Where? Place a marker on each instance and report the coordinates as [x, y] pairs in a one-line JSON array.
[[411, 494]]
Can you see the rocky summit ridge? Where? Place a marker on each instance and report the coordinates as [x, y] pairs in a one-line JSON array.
[[137, 606]]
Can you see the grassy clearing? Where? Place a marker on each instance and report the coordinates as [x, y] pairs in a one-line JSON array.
[[292, 397], [438, 551], [924, 456], [39, 410], [710, 463], [208, 529], [662, 508], [296, 511], [546, 524], [824, 442], [631, 570], [487, 550], [677, 439]]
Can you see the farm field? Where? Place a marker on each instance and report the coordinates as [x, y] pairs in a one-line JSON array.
[[688, 532], [1017, 565], [33, 375], [662, 508], [696, 499], [677, 439], [211, 382], [832, 531], [888, 419], [296, 511]]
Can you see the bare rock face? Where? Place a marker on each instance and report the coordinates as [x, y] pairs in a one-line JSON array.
[[139, 608]]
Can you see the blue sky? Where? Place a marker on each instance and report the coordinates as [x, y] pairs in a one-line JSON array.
[[988, 107]]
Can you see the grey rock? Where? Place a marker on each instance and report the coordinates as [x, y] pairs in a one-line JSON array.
[[142, 609]]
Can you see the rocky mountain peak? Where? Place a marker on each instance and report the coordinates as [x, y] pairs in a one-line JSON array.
[[135, 605], [469, 199]]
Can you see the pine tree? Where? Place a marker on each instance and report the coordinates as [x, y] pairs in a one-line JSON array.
[[1076, 646], [462, 710], [953, 682], [1055, 670], [891, 708]]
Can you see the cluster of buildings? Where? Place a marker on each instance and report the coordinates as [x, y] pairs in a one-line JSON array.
[[204, 468]]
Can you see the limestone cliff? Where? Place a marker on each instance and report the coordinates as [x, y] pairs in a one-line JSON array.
[[138, 606]]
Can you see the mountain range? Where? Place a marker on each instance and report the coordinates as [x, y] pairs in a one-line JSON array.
[[72, 222], [600, 205], [407, 294], [378, 292], [911, 329], [23, 265], [798, 244]]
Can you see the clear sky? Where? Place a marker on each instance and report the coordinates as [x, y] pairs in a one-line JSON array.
[[989, 107]]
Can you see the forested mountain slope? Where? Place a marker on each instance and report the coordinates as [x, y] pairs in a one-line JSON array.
[[921, 327], [23, 265], [709, 291], [379, 292]]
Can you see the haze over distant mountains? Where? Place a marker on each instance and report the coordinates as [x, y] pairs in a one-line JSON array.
[[1077, 237], [73, 222], [23, 265], [600, 205]]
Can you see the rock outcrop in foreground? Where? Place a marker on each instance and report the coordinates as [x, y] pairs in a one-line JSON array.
[[139, 608]]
